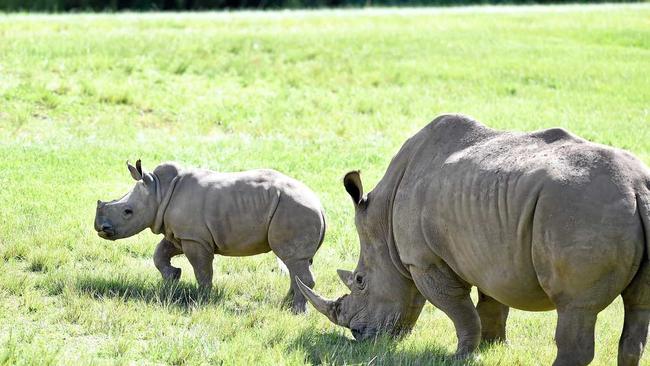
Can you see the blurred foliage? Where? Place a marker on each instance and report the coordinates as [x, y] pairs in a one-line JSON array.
[[178, 5]]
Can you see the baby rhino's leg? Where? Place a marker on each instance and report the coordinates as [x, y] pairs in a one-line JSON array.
[[295, 233], [296, 255], [298, 302], [162, 259]]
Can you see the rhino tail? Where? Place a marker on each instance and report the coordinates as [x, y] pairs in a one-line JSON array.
[[322, 233]]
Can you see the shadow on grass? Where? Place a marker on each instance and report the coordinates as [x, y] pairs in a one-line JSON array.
[[334, 348], [163, 293]]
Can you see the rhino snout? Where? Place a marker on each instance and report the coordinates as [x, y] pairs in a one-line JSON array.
[[105, 229]]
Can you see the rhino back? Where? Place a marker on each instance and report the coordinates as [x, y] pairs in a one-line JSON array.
[[474, 197], [231, 211]]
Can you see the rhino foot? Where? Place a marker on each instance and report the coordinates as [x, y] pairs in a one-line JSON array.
[[462, 354], [171, 274], [299, 308], [287, 301], [466, 350], [494, 339]]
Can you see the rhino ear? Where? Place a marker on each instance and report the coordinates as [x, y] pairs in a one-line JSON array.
[[147, 178], [346, 277], [352, 183], [138, 167], [135, 172]]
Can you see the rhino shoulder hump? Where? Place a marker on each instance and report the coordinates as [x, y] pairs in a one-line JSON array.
[[166, 172], [452, 126], [455, 120], [168, 169], [551, 135], [268, 173]]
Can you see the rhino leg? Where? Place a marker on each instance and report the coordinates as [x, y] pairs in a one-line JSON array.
[[493, 316], [287, 301], [574, 336], [165, 250], [298, 302], [636, 299], [446, 291], [634, 337], [200, 257], [295, 233]]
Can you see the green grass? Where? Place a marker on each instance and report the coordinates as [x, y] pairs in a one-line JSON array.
[[312, 94]]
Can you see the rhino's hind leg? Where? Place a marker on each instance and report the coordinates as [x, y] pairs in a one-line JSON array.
[[447, 292], [162, 256], [287, 301], [295, 233], [574, 336], [636, 299], [493, 316], [298, 302], [635, 334]]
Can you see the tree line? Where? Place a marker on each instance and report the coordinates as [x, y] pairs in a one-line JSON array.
[[179, 5]]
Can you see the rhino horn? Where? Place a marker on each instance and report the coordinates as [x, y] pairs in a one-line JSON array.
[[323, 305], [346, 277]]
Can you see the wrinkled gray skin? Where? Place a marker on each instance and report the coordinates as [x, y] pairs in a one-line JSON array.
[[536, 221], [203, 213]]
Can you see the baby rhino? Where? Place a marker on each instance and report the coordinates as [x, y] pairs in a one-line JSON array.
[[203, 213]]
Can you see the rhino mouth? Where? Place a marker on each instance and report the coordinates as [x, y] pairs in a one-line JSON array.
[[357, 334], [391, 327], [106, 234]]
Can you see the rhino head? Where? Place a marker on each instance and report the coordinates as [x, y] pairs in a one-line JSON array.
[[381, 299], [132, 213]]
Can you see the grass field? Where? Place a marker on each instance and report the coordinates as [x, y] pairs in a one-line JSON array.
[[312, 94]]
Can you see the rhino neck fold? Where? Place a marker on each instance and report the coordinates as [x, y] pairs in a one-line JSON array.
[[390, 243], [392, 180], [388, 187], [163, 201]]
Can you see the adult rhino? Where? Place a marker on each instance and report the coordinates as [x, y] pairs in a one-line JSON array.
[[536, 221], [203, 213]]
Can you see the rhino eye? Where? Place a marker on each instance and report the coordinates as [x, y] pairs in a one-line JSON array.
[[360, 282], [128, 212]]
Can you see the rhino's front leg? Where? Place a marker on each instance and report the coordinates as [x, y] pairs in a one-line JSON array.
[[447, 292], [162, 256], [200, 257]]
